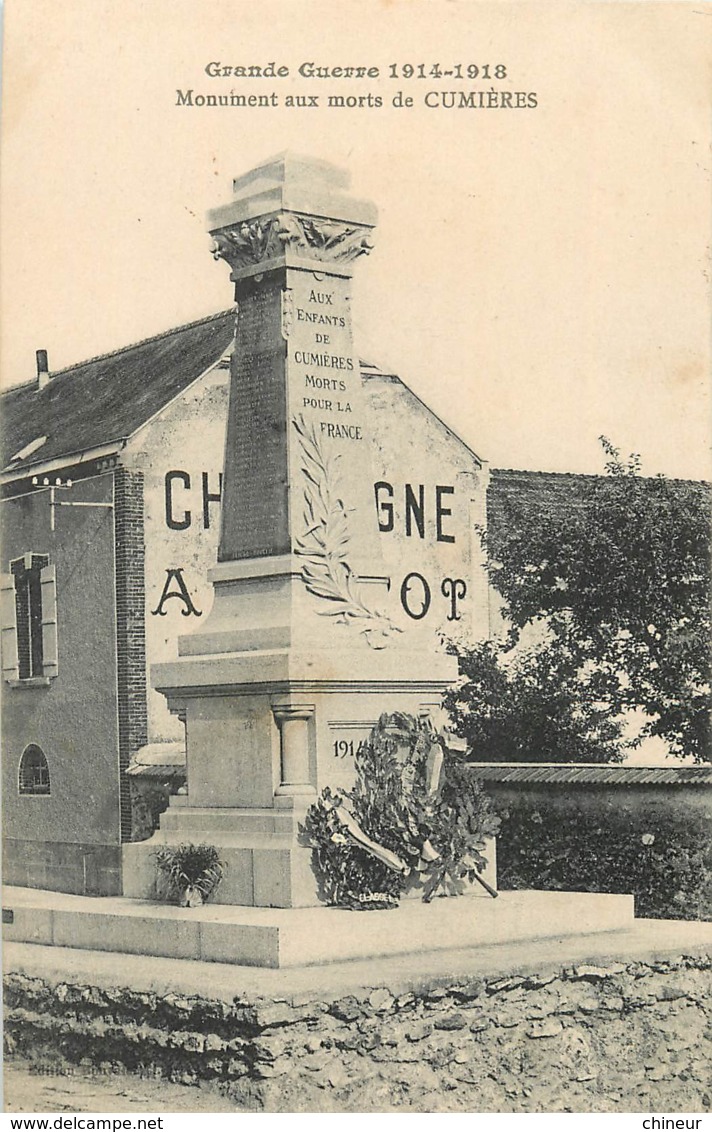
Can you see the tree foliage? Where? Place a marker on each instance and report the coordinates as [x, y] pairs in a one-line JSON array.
[[530, 705], [617, 579]]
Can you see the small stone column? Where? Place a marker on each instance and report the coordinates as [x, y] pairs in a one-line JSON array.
[[293, 723]]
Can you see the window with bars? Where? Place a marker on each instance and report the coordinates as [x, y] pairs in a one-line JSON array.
[[34, 771]]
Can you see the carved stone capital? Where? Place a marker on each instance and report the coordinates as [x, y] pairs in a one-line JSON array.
[[254, 242], [286, 713]]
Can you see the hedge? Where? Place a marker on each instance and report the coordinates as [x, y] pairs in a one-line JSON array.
[[660, 854]]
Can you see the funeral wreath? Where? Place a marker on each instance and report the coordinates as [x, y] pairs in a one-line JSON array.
[[414, 819]]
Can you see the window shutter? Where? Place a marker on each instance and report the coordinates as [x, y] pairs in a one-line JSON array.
[[50, 657], [10, 668]]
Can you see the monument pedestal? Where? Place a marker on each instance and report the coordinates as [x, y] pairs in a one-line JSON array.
[[268, 728], [266, 865]]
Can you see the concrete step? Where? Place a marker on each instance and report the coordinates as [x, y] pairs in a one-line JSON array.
[[297, 937]]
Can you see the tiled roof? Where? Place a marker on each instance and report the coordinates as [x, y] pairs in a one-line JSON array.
[[108, 398], [564, 774], [517, 497]]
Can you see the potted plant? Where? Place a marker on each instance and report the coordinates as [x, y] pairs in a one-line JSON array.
[[188, 873]]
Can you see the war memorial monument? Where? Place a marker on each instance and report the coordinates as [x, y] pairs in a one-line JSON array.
[[309, 640]]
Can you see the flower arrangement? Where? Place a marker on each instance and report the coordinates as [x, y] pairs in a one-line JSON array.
[[188, 874], [414, 818]]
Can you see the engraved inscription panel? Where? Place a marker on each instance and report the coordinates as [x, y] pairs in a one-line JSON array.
[[326, 397], [255, 513], [344, 739]]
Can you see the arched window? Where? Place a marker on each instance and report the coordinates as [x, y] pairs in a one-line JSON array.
[[34, 771]]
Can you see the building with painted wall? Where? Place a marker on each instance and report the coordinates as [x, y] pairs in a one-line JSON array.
[[111, 499], [101, 577], [74, 499]]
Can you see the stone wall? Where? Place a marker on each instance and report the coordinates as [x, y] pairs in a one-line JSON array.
[[618, 1037]]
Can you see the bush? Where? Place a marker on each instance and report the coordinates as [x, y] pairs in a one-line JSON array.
[[663, 857], [149, 799]]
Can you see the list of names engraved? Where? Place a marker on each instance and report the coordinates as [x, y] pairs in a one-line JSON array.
[[256, 517]]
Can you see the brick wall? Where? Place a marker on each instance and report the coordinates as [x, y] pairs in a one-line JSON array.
[[130, 627]]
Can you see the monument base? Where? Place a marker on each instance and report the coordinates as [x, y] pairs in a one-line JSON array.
[[266, 731], [262, 937], [265, 865]]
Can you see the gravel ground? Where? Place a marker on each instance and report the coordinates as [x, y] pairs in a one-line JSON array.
[[83, 1089]]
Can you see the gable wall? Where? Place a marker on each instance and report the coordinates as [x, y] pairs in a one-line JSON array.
[[180, 454]]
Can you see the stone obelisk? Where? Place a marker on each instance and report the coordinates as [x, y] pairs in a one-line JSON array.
[[299, 651]]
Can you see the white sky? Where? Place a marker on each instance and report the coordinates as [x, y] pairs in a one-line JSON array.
[[540, 276]]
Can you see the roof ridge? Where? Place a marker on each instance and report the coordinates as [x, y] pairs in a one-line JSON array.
[[542, 472], [122, 349], [573, 774], [145, 341], [530, 764], [594, 475], [18, 386]]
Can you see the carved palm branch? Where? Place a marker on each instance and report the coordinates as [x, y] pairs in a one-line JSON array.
[[324, 545]]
